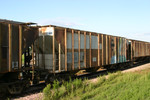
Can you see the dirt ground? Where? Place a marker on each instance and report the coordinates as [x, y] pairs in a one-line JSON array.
[[138, 68], [134, 69], [39, 96]]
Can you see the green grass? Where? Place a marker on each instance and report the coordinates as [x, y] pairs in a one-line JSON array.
[[118, 86]]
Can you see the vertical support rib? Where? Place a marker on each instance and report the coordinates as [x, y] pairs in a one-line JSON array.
[[125, 49], [137, 45], [32, 62], [115, 48], [10, 47], [38, 52], [54, 51], [131, 50], [43, 53], [98, 51], [20, 47], [102, 50], [106, 51], [85, 49], [143, 48], [118, 49], [138, 49], [65, 49], [145, 45], [149, 48], [59, 57], [110, 48], [72, 49], [90, 51], [146, 49], [79, 49], [122, 49], [123, 43]]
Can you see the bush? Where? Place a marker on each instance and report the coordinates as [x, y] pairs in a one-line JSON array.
[[55, 85], [66, 88], [77, 83], [47, 92]]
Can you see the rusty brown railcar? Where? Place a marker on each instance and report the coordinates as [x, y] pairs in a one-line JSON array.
[[15, 39], [141, 50], [60, 49]]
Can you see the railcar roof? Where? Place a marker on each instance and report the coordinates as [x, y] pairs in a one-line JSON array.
[[15, 22], [60, 27]]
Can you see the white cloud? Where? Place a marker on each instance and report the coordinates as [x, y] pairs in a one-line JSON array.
[[65, 22], [141, 36]]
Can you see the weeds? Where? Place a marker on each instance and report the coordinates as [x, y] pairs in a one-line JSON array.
[[67, 88], [118, 86], [47, 92]]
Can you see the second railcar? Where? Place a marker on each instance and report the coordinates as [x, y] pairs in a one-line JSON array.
[[60, 49]]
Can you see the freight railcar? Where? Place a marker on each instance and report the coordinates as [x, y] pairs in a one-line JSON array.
[[61, 50], [141, 50], [15, 39]]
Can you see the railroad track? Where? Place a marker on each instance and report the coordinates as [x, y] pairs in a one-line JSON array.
[[29, 91]]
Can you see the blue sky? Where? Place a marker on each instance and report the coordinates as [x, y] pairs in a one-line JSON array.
[[126, 18]]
